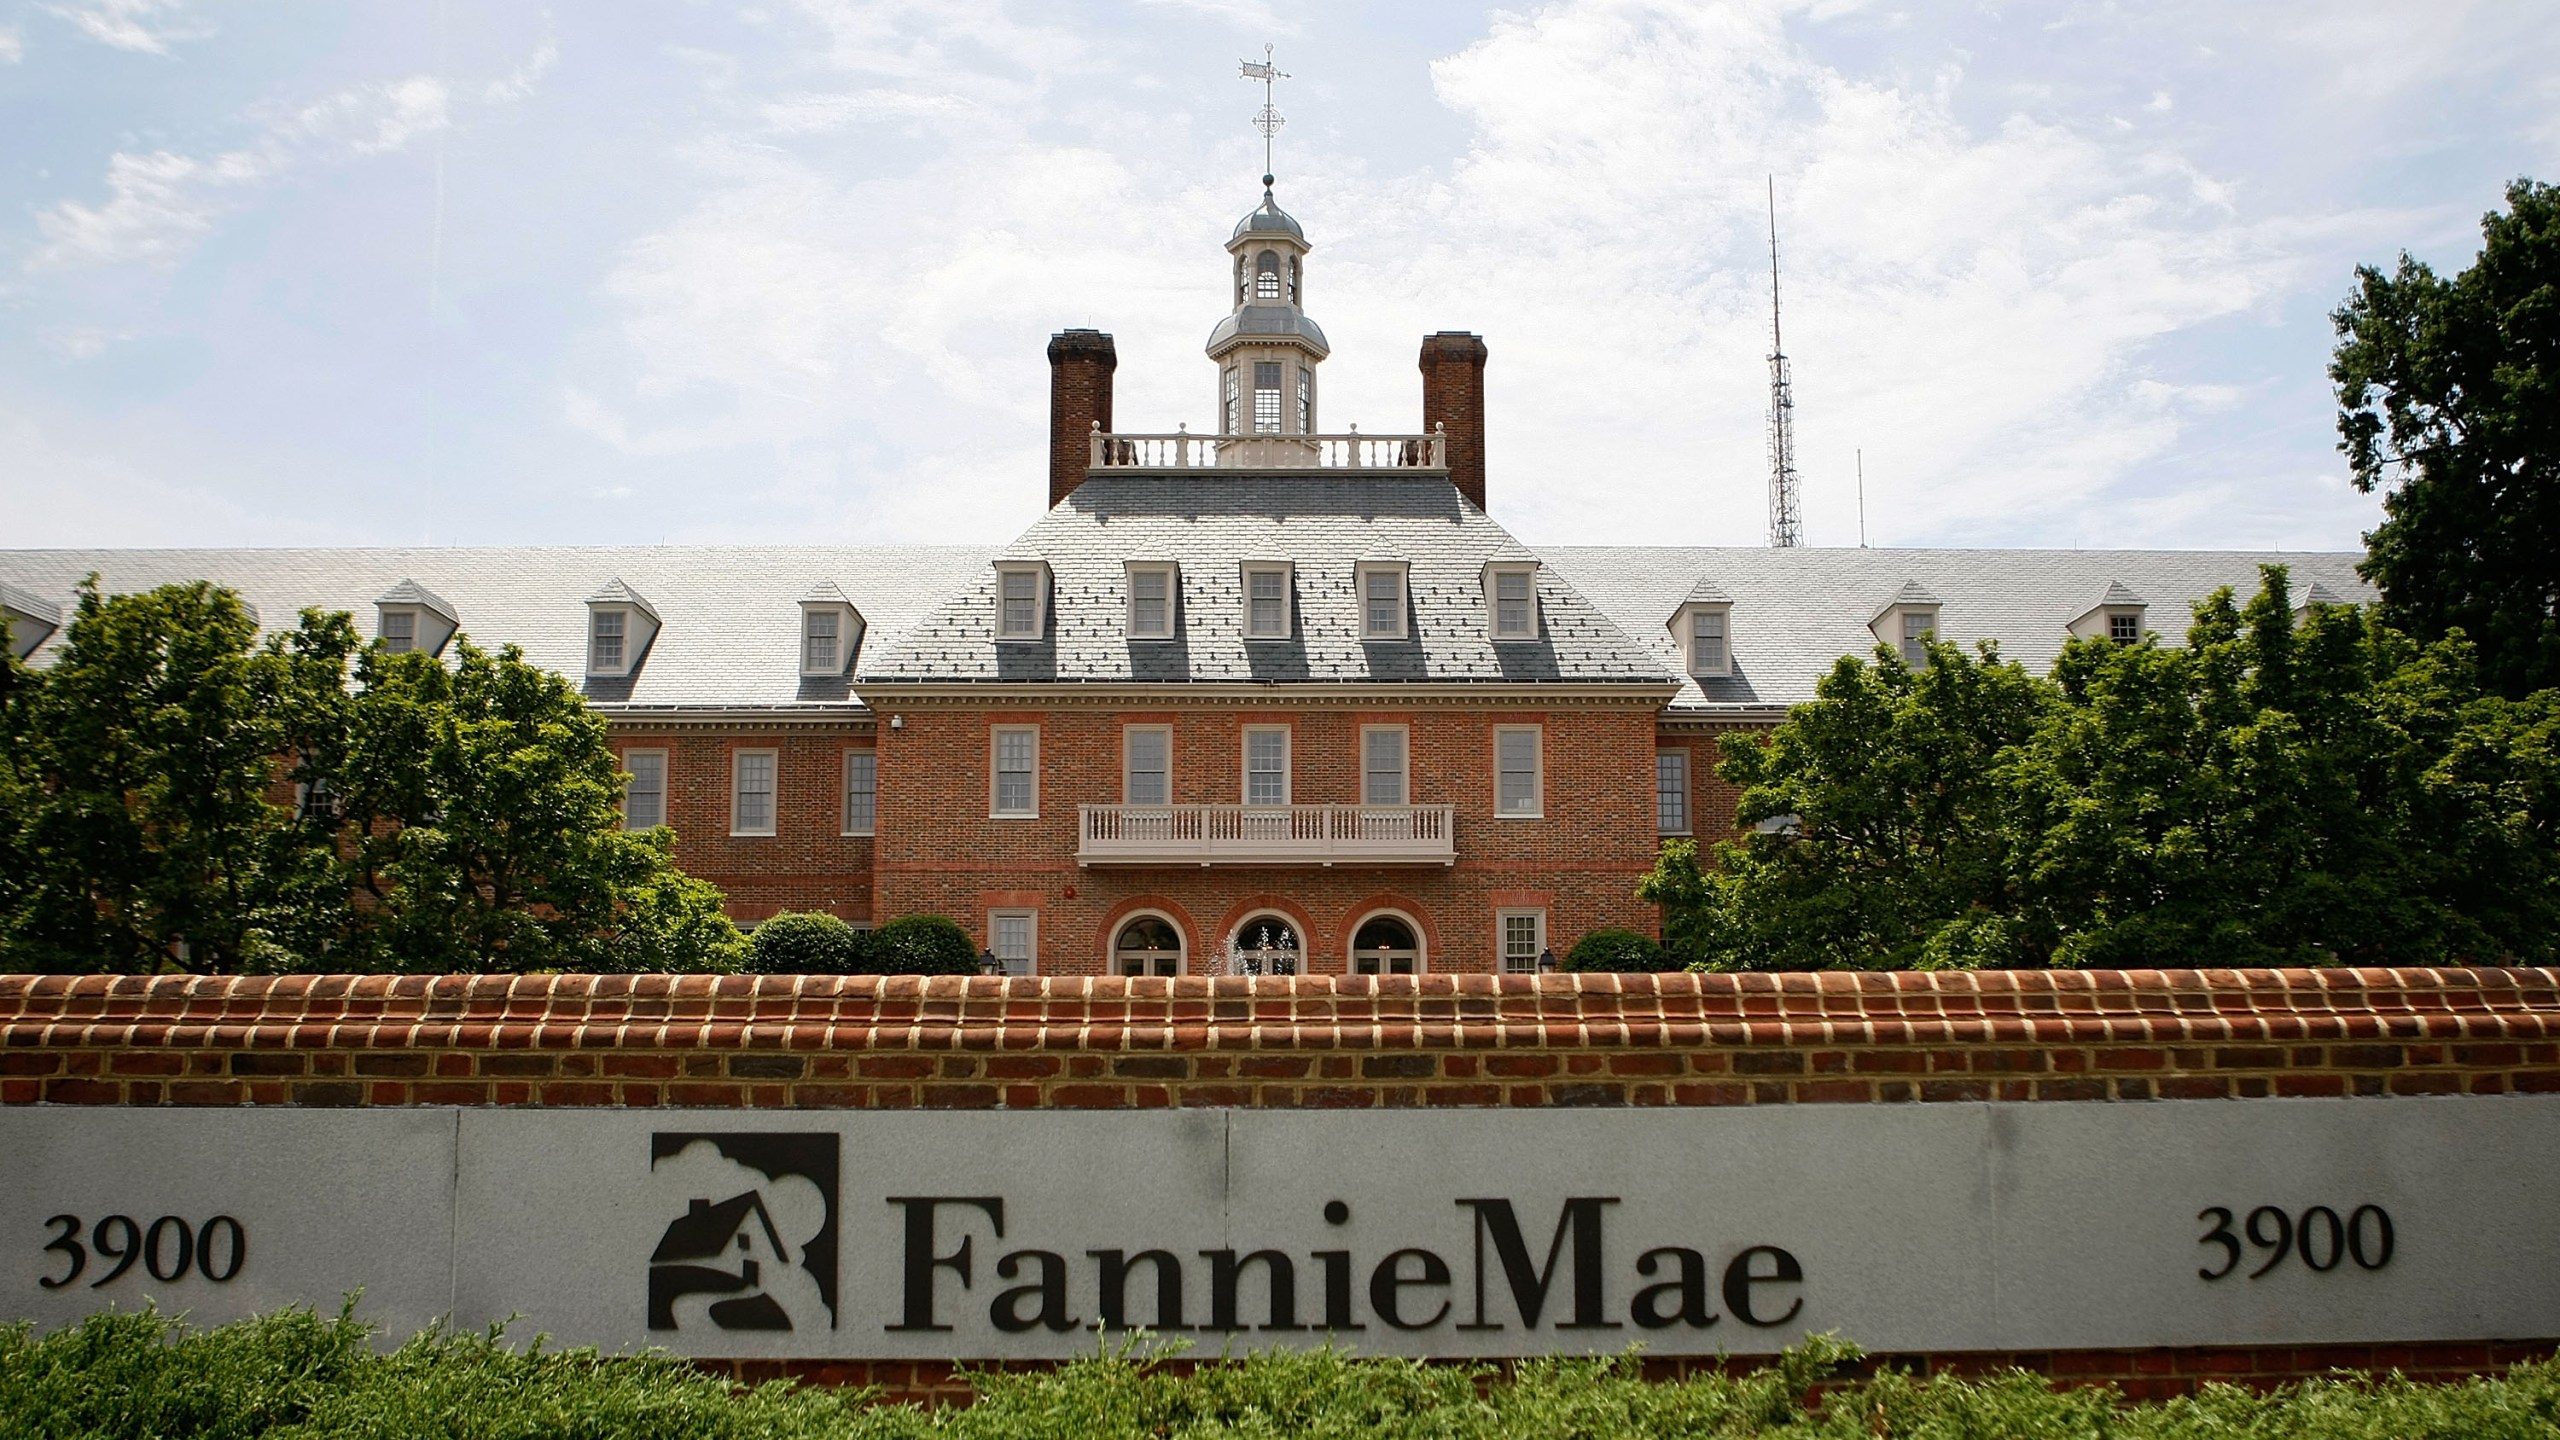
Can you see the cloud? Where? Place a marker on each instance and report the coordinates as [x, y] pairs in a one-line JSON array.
[[13, 47], [146, 26]]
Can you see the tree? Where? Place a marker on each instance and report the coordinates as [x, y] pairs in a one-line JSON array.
[[2449, 395], [922, 945], [1621, 950], [810, 943]]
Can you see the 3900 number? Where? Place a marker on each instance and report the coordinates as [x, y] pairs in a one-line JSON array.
[[166, 1249], [2316, 1237]]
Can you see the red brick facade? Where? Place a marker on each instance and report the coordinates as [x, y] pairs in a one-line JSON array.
[[808, 863]]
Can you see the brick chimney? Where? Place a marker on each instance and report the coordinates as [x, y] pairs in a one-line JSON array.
[[1080, 366], [1453, 396]]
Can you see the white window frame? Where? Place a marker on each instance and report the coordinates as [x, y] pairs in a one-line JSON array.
[[1687, 801], [848, 638], [1172, 576], [658, 754], [2126, 612], [1029, 959], [1699, 614], [737, 790], [1536, 809], [1245, 762], [1361, 573], [1502, 957], [382, 628], [1128, 768], [1351, 941], [1288, 604], [1494, 575], [1182, 943], [1926, 617], [851, 755], [621, 616], [1039, 576], [1404, 758], [995, 777]]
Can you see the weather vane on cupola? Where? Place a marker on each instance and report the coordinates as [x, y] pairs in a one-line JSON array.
[[1267, 119]]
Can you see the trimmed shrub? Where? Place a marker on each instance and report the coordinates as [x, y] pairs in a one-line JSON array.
[[1617, 950], [812, 943], [922, 945]]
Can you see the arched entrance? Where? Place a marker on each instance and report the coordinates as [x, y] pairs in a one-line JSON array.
[[1147, 945], [1266, 944], [1386, 944]]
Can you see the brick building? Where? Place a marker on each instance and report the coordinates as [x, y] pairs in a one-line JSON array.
[[1260, 697]]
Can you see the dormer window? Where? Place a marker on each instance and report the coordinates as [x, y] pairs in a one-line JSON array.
[[1153, 594], [1266, 277], [1511, 599], [2118, 616], [1381, 586], [830, 632], [620, 627], [1905, 622], [1710, 654], [1918, 626], [1022, 600], [412, 618], [605, 641], [2124, 627], [1266, 600], [399, 631], [818, 642]]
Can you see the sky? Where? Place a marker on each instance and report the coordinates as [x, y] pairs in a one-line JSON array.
[[626, 271]]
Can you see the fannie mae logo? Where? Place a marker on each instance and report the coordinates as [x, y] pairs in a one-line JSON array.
[[750, 1242]]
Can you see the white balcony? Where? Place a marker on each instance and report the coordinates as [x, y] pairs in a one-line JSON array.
[[1182, 451], [1265, 835]]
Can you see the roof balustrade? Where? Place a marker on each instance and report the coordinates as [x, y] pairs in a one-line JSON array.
[[1184, 451]]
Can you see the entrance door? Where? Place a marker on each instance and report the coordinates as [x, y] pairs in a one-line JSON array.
[[1385, 945], [1147, 945], [1264, 945]]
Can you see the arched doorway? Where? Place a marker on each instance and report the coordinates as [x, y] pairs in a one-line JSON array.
[[1266, 944], [1386, 944], [1147, 945]]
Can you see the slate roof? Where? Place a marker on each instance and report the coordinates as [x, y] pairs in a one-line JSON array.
[[1324, 526], [731, 613], [1796, 611]]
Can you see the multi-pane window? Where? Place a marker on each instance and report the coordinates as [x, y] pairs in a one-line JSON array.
[[1306, 400], [1011, 934], [1382, 603], [1516, 788], [1234, 415], [1293, 279], [1147, 753], [1266, 765], [1515, 605], [1266, 397], [818, 643], [1017, 749], [1382, 765], [861, 792], [1020, 592], [1524, 936], [1706, 643], [2124, 627], [644, 800], [1671, 791], [1266, 277], [751, 792], [399, 631], [1915, 625], [1266, 592], [604, 648], [1151, 603]]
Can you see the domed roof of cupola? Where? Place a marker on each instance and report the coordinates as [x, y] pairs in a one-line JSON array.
[[1270, 219]]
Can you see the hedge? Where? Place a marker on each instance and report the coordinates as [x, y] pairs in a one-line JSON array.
[[296, 1374]]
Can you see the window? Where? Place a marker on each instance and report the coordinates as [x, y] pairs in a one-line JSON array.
[[1147, 945], [1146, 753], [604, 648], [1382, 765], [1020, 593], [1265, 944], [818, 643], [399, 631], [1385, 945], [1517, 791], [1707, 653], [861, 792], [2123, 627], [1514, 596], [644, 799], [1306, 400], [1014, 936], [1915, 625], [1266, 602], [1381, 602], [1266, 764], [1151, 600], [1244, 279], [751, 792], [1266, 276], [1017, 755], [1293, 280], [1671, 791], [1266, 397], [1235, 417], [1523, 938]]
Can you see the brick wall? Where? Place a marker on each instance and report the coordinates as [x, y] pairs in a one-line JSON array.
[[1080, 366], [808, 863], [1453, 396], [826, 1042]]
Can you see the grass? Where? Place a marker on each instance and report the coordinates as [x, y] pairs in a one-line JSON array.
[[298, 1374]]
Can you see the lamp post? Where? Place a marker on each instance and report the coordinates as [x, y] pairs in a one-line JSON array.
[[988, 964], [1547, 962]]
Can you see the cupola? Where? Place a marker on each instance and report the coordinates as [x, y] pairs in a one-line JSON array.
[[1267, 350]]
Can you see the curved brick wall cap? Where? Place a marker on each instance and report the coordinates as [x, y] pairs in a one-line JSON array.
[[1265, 1013]]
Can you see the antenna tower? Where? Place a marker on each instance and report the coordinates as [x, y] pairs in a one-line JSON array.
[[1267, 119], [1786, 519]]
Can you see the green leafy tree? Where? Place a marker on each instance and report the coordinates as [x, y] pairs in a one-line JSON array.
[[2450, 402], [922, 945], [1621, 950], [810, 943]]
